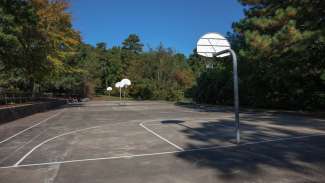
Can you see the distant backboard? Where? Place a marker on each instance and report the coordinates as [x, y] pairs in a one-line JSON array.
[[126, 82], [119, 85], [211, 44]]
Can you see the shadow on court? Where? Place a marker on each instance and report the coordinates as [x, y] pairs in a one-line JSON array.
[[205, 108], [314, 120], [278, 160]]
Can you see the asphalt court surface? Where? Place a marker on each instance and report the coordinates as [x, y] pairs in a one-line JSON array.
[[160, 142]]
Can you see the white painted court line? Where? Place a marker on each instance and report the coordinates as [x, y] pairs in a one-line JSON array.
[[64, 134], [162, 138], [162, 153], [214, 124], [91, 159], [22, 131], [17, 164], [50, 139], [22, 146], [76, 131]]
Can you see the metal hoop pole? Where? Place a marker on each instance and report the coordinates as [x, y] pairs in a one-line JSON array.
[[236, 96], [124, 94], [120, 94]]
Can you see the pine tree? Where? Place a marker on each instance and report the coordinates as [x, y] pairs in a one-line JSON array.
[[284, 45]]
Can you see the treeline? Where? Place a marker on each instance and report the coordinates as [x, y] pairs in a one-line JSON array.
[[159, 73], [280, 47], [41, 52]]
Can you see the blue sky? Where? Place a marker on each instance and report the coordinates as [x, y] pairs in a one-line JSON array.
[[176, 23]]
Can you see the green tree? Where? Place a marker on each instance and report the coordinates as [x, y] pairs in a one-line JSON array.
[[282, 45], [102, 55], [23, 47], [62, 40], [87, 77], [132, 44], [131, 49], [197, 63], [160, 74], [114, 67], [17, 18], [214, 86], [37, 40]]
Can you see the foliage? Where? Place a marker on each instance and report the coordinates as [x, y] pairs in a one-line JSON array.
[[284, 45], [22, 46], [214, 86], [55, 24], [197, 63], [281, 55], [157, 74], [160, 74], [37, 40], [132, 44]]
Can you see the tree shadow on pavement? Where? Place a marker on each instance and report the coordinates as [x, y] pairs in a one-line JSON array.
[[292, 118], [255, 159]]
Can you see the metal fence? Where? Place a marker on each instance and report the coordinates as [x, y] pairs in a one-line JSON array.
[[16, 98], [7, 98]]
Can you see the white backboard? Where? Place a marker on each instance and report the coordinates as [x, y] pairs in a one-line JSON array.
[[119, 85], [212, 43], [126, 82]]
